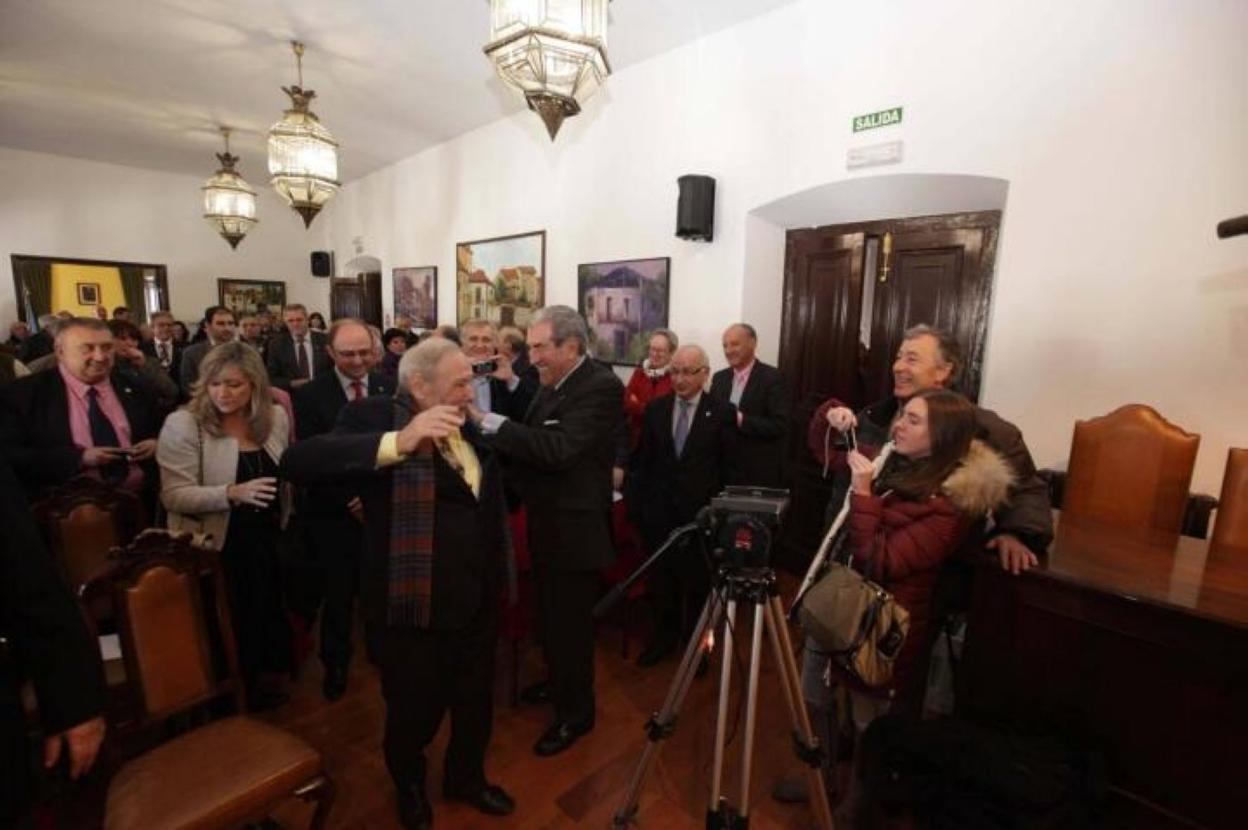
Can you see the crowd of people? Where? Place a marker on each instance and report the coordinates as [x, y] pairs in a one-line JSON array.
[[397, 465]]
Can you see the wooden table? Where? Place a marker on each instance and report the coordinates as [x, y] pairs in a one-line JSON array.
[[1133, 644]]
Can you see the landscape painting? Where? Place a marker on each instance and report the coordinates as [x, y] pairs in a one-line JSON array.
[[251, 296], [623, 302], [502, 280], [416, 295]]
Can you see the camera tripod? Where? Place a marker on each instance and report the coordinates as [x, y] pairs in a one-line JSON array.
[[755, 588]]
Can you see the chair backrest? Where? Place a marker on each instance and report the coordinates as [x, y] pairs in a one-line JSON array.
[[1130, 468], [157, 588], [82, 521], [1231, 526]]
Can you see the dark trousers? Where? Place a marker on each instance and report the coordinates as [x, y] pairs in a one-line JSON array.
[[336, 540], [254, 592], [678, 585], [424, 673], [565, 604]]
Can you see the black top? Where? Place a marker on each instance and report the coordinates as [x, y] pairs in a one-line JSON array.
[[254, 464]]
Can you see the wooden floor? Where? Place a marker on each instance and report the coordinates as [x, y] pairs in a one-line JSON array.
[[580, 788]]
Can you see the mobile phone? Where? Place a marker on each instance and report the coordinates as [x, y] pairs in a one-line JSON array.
[[851, 439], [126, 450], [485, 367]]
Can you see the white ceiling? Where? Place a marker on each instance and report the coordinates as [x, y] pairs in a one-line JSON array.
[[146, 82]]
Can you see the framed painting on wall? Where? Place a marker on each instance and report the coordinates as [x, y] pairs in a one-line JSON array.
[[88, 293], [502, 280], [251, 296], [624, 302], [416, 296]]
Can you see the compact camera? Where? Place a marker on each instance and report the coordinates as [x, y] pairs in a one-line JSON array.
[[485, 367]]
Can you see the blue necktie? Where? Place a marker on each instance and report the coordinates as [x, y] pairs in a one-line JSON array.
[[682, 426], [103, 435]]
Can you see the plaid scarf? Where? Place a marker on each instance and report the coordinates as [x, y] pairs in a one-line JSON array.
[[409, 600]]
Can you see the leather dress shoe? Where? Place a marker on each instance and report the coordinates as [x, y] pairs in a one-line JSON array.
[[490, 799], [415, 812], [562, 734], [656, 652], [536, 693], [335, 684]]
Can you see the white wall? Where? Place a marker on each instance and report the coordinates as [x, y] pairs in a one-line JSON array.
[[56, 206], [1120, 126]]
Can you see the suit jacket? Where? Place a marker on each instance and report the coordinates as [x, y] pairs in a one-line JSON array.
[[561, 455], [469, 537], [175, 362], [317, 405], [35, 433], [50, 645], [284, 366], [665, 491], [36, 346], [766, 407], [196, 468], [514, 403]]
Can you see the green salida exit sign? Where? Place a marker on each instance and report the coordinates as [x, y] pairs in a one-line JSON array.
[[875, 120]]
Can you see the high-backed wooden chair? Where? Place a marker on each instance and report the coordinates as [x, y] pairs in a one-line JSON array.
[[220, 775], [1130, 468], [1230, 528], [82, 521]]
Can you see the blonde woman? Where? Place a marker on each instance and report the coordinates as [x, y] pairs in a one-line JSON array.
[[218, 459]]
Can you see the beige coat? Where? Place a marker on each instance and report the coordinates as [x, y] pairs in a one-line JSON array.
[[194, 478]]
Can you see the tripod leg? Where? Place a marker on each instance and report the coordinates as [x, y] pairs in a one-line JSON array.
[[751, 707], [662, 724], [721, 716], [782, 645]]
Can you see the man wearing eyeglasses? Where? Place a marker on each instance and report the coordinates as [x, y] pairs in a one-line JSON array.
[[686, 452], [332, 513]]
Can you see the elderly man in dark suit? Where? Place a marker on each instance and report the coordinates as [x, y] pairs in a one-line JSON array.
[[83, 417], [332, 512], [299, 355], [163, 348], [761, 397], [51, 646], [436, 561], [686, 452], [562, 454]]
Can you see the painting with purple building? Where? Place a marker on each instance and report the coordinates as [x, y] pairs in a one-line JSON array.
[[623, 302]]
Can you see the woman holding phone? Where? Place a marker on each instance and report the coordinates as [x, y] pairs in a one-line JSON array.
[[218, 459]]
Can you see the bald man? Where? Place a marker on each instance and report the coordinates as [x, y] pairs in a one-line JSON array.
[[761, 398]]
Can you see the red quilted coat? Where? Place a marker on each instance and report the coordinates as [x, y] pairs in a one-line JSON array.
[[901, 543], [640, 391]]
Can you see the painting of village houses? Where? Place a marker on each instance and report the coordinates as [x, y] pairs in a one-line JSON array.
[[416, 296], [623, 302], [501, 280]]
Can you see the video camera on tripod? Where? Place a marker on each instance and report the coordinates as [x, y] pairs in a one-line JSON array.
[[742, 522]]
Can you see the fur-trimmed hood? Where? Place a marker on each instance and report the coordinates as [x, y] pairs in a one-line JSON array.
[[981, 483]]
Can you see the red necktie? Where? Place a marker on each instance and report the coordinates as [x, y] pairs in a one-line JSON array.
[[357, 390]]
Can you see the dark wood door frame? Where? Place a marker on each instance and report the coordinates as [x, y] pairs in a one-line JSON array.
[[19, 293]]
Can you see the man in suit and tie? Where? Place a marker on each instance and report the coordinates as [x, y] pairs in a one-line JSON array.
[[685, 453], [219, 325], [503, 390], [333, 512], [436, 561], [761, 397], [82, 417], [299, 355], [163, 349], [562, 453]]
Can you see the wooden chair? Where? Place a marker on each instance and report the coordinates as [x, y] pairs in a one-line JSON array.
[[1231, 526], [82, 521], [1130, 468], [220, 775]]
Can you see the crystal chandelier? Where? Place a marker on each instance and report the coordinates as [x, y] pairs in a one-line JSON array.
[[229, 202], [303, 156], [553, 51]]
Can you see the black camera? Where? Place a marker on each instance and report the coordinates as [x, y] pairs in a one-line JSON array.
[[485, 367], [743, 523]]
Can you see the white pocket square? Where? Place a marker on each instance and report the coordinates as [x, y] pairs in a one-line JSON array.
[[552, 422]]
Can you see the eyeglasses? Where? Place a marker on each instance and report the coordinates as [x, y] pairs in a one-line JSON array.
[[688, 372]]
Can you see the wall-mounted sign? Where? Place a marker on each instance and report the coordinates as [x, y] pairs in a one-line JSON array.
[[875, 120], [874, 155]]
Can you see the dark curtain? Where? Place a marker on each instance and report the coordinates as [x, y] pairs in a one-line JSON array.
[[35, 277], [132, 287]]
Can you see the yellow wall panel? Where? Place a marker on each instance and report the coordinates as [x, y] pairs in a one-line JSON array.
[[65, 279]]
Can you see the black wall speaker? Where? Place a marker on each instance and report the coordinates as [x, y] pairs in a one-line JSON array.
[[695, 212], [322, 263]]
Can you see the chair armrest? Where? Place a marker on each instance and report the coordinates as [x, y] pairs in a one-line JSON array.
[[1196, 515]]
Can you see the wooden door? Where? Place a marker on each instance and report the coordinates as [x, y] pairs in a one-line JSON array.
[[358, 296]]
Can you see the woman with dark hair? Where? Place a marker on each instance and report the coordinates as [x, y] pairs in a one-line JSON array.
[[218, 460], [316, 322], [181, 334], [394, 342]]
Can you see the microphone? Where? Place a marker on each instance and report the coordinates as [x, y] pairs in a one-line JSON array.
[[1233, 227]]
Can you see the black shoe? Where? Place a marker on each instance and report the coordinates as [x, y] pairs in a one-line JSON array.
[[656, 652], [562, 734], [537, 693], [488, 798], [415, 812], [335, 684]]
